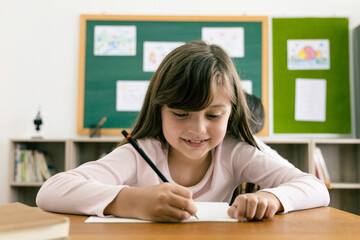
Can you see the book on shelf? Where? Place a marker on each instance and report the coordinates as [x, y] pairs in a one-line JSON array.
[[30, 165], [18, 162], [19, 221], [320, 167]]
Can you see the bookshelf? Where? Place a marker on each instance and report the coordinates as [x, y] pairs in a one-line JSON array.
[[342, 157], [63, 154], [84, 150], [56, 151], [294, 150]]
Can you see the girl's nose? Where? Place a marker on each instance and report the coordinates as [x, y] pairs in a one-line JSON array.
[[197, 126]]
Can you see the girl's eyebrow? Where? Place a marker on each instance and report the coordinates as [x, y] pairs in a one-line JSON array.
[[218, 106]]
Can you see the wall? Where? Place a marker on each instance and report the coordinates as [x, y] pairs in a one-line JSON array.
[[39, 42]]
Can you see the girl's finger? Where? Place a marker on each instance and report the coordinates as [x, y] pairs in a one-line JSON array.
[[165, 218], [251, 207], [176, 214], [183, 203], [166, 212], [241, 207], [232, 211], [261, 209], [181, 191], [271, 211]]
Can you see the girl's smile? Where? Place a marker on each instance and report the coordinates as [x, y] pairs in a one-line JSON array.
[[195, 143]]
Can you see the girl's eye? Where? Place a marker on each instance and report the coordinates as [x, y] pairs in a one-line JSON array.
[[215, 116], [180, 115]]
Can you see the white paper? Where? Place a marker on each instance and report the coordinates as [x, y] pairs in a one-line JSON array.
[[130, 95], [155, 52], [309, 54], [231, 39], [247, 86], [115, 40], [206, 212], [310, 100]]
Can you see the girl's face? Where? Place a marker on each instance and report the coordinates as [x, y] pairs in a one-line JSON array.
[[191, 135]]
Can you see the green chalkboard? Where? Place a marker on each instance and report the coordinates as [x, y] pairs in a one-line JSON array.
[[98, 74], [338, 108]]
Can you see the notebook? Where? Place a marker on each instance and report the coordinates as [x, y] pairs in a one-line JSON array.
[[206, 212]]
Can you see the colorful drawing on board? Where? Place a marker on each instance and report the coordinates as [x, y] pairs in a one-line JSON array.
[[155, 52], [312, 54], [229, 38], [115, 40]]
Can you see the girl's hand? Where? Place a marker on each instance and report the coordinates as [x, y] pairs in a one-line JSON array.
[[164, 202], [259, 206]]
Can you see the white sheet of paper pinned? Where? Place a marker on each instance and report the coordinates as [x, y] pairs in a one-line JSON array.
[[310, 100], [130, 95], [247, 86], [206, 212]]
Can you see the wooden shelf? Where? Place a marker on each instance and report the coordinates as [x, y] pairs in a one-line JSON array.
[[345, 186], [26, 184], [342, 157]]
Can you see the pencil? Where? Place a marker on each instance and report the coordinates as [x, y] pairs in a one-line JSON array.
[[146, 158]]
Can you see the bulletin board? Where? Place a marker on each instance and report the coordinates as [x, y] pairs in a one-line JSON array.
[[335, 74], [98, 74]]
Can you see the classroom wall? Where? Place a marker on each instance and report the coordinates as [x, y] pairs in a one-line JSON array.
[[39, 41]]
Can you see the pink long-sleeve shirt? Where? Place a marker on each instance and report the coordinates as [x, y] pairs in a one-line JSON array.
[[89, 188]]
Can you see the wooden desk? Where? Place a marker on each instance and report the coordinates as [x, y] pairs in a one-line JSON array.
[[320, 223]]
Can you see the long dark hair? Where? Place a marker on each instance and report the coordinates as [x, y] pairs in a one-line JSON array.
[[257, 118], [185, 80]]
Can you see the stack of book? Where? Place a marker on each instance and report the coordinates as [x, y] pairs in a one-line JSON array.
[[320, 167], [30, 165], [19, 221]]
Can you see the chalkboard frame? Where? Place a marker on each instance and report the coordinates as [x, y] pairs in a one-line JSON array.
[[84, 19]]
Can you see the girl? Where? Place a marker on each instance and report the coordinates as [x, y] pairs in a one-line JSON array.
[[193, 125]]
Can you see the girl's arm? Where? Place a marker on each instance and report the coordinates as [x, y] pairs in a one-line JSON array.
[[87, 189], [101, 187], [284, 187]]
